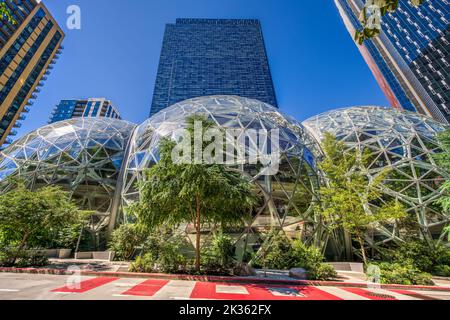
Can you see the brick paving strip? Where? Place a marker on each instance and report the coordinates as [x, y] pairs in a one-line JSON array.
[[242, 280]]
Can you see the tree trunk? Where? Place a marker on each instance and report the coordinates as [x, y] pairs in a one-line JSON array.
[[21, 246], [348, 246], [198, 235], [363, 251]]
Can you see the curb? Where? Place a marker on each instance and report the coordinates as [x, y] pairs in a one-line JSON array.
[[243, 280]]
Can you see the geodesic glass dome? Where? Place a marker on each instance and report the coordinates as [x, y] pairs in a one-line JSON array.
[[286, 198], [402, 142], [82, 155]]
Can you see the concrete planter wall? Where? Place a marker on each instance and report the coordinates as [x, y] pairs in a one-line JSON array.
[[99, 255], [56, 253], [348, 266], [64, 253]]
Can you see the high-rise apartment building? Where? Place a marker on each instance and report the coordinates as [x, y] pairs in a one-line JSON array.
[[202, 57], [411, 57], [84, 108], [28, 49]]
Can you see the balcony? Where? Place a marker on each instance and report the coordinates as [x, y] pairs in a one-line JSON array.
[[26, 110], [13, 133], [17, 125], [29, 103], [21, 117]]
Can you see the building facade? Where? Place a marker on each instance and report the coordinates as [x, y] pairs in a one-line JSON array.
[[84, 108], [202, 57], [28, 49], [411, 57]]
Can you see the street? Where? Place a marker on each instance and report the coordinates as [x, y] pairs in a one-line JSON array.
[[53, 287]]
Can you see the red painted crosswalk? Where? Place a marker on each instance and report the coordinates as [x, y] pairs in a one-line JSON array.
[[84, 286], [208, 290], [147, 288], [227, 291]]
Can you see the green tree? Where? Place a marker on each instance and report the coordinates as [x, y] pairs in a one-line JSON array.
[[5, 13], [26, 215], [346, 198], [175, 193], [443, 160], [370, 20]]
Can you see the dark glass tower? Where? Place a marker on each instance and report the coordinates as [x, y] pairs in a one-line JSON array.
[[28, 49], [202, 57], [411, 58]]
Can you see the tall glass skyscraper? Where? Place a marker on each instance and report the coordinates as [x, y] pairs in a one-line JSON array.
[[202, 57], [411, 58], [28, 49], [84, 108]]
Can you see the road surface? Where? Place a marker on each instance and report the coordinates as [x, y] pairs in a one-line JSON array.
[[55, 287]]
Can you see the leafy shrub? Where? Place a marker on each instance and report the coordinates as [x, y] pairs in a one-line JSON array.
[[276, 253], [160, 255], [421, 255], [404, 274], [124, 241], [219, 255], [280, 253], [442, 270], [23, 258], [144, 263], [322, 272]]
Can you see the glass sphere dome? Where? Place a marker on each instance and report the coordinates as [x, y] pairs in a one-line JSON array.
[[83, 155], [287, 197], [402, 142]]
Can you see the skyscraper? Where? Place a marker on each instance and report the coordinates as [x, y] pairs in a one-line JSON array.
[[202, 57], [86, 108], [28, 49], [411, 58]]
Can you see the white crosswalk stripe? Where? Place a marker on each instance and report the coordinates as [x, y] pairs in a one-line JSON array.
[[341, 293]]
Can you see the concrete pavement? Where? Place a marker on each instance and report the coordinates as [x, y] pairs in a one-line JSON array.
[[65, 287]]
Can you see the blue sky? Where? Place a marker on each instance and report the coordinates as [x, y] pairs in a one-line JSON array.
[[315, 65]]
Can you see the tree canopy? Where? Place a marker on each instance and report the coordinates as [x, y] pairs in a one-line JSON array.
[[443, 159], [191, 193], [26, 215], [5, 13], [346, 198]]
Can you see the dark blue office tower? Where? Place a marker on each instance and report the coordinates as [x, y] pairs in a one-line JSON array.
[[202, 57]]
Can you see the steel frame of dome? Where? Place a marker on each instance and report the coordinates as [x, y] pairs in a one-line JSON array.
[[288, 196], [83, 155], [403, 142]]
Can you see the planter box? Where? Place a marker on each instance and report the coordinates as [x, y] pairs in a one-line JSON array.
[[348, 266], [100, 255], [64, 253]]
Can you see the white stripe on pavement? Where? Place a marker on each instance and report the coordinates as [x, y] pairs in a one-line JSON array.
[[176, 289], [396, 295], [341, 293], [9, 290]]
